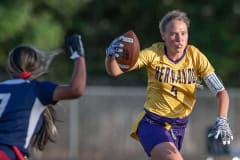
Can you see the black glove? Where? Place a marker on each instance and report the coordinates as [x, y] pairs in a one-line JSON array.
[[75, 46]]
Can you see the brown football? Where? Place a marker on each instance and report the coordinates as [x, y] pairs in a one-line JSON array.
[[131, 51]]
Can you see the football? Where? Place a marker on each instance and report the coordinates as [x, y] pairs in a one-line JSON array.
[[130, 53]]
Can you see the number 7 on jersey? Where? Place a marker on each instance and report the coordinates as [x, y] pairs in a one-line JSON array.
[[4, 97]]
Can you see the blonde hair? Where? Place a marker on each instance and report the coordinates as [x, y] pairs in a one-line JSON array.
[[48, 131], [174, 14], [26, 58]]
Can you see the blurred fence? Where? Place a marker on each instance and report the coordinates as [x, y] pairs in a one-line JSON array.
[[97, 126]]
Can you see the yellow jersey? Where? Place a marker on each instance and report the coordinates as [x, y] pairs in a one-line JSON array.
[[172, 84]]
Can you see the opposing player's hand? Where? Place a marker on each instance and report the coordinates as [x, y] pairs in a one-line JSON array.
[[75, 45], [221, 128], [115, 48]]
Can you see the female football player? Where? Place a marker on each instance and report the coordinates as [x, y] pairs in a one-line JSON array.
[[27, 117], [173, 67]]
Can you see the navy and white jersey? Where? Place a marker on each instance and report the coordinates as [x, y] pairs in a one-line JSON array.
[[22, 103]]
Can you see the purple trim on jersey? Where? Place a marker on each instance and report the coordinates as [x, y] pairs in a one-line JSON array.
[[151, 131], [176, 61], [22, 114]]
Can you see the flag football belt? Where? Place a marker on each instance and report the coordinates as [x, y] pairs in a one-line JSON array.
[[18, 153]]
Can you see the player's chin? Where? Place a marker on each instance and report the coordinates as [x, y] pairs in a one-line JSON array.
[[179, 50]]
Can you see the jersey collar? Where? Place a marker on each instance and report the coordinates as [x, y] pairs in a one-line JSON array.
[[15, 81], [177, 60]]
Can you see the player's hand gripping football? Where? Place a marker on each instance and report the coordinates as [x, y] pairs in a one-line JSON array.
[[115, 48], [221, 128], [75, 45]]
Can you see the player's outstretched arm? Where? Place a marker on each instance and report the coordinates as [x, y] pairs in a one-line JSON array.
[[77, 84]]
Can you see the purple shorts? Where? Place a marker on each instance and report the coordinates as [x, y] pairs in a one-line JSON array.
[[151, 131]]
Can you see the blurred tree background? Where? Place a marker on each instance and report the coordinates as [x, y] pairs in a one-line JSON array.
[[45, 23]]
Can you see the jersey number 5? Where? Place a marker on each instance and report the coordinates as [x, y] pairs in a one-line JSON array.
[[4, 97]]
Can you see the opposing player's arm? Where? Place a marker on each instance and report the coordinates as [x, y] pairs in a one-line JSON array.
[[77, 84]]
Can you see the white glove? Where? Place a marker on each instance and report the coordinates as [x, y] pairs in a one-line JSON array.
[[115, 48], [222, 128]]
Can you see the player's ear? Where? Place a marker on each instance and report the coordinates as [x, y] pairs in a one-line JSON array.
[[163, 36]]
